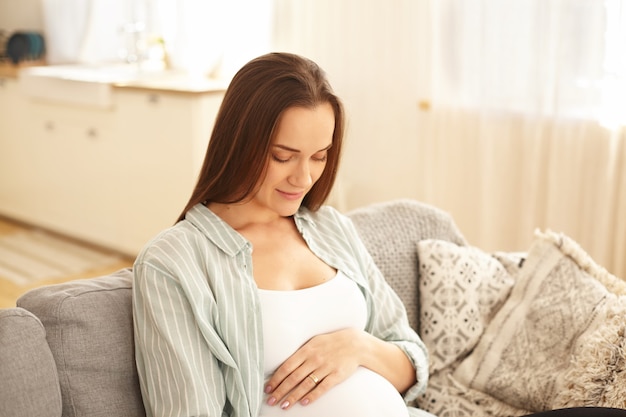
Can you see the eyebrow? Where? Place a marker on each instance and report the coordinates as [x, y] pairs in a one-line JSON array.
[[287, 148]]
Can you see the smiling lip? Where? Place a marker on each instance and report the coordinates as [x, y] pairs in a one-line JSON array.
[[291, 196]]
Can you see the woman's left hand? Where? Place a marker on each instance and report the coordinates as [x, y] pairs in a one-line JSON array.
[[320, 364]]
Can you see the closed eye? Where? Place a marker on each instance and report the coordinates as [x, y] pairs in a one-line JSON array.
[[280, 160], [320, 158]]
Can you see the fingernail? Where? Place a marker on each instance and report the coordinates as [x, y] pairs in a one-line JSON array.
[[284, 405], [305, 401], [271, 401], [268, 389]]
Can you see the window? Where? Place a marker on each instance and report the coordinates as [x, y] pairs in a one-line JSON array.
[[562, 57]]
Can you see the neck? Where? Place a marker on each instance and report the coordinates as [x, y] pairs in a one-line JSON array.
[[242, 215]]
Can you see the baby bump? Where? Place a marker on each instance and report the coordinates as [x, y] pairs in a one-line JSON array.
[[364, 394]]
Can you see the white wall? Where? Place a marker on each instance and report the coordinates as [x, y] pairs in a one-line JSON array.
[[21, 15], [369, 49]]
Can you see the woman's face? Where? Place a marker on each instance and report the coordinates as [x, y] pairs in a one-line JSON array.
[[297, 158]]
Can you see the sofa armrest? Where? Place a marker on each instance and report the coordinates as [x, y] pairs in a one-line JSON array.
[[29, 384]]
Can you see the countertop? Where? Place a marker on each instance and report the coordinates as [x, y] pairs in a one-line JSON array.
[[9, 70], [158, 81], [177, 84]]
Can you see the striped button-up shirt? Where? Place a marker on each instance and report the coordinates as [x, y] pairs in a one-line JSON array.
[[198, 329]]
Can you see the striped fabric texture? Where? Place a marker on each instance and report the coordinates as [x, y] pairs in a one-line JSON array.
[[198, 329]]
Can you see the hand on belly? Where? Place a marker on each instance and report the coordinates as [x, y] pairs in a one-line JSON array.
[[364, 394]]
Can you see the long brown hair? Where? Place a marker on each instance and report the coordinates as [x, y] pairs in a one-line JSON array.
[[239, 147]]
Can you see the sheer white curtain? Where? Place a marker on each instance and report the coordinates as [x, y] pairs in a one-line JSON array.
[[524, 126]]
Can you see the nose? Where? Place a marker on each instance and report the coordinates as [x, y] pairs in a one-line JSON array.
[[301, 175]]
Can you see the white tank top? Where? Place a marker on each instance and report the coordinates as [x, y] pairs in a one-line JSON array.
[[290, 318]]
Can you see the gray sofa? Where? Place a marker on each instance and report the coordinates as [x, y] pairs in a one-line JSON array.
[[67, 349]]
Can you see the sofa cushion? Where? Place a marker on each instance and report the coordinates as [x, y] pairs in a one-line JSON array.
[[29, 385], [558, 340], [90, 333], [391, 230], [461, 288]]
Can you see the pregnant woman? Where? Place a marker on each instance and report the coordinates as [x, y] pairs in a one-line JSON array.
[[260, 300]]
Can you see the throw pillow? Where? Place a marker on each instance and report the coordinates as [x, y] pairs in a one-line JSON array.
[[446, 397], [460, 289], [553, 314]]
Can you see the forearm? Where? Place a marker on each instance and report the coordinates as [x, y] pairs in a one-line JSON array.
[[388, 360]]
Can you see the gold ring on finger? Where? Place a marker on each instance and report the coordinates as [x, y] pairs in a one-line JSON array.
[[314, 378]]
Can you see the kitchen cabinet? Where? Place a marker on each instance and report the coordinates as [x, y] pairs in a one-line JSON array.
[[67, 181], [165, 137], [14, 153], [115, 176]]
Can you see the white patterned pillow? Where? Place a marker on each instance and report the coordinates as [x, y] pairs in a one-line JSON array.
[[460, 289], [446, 397], [559, 338]]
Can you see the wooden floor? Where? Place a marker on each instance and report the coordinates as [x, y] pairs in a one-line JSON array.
[[10, 292]]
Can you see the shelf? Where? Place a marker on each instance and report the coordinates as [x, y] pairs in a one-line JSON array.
[[10, 70]]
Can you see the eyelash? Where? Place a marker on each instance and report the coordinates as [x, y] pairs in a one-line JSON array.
[[284, 161], [281, 161]]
